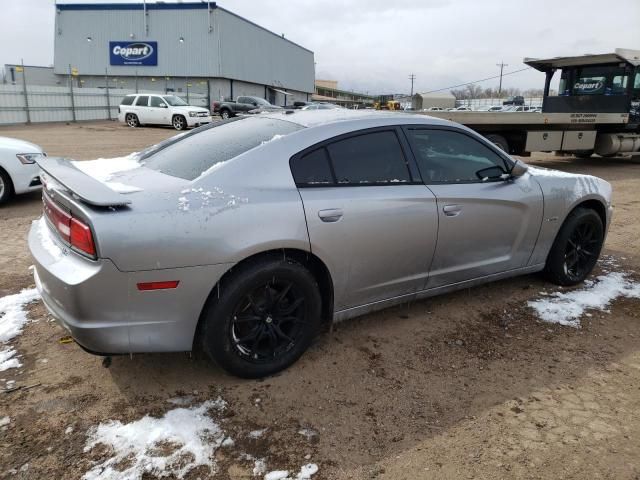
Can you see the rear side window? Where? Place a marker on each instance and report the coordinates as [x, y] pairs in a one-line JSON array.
[[142, 101], [444, 156], [127, 101], [312, 169], [193, 154], [369, 158]]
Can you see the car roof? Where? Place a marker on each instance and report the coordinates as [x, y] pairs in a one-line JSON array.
[[316, 118]]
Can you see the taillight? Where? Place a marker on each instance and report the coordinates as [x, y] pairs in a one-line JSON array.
[[72, 231], [81, 237]]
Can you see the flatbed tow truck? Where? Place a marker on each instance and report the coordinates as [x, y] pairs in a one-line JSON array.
[[597, 109]]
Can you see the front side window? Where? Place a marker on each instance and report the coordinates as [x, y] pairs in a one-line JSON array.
[[142, 101], [156, 102], [370, 158], [193, 154], [445, 156], [175, 101]]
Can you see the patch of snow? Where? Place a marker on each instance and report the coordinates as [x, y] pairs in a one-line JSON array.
[[259, 467], [306, 472], [4, 421], [567, 308], [13, 317], [215, 198], [257, 433], [68, 430], [275, 137], [46, 239], [188, 436], [228, 442], [7, 359], [103, 169], [122, 188], [277, 475]]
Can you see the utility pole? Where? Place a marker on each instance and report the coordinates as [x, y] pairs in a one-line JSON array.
[[412, 77], [501, 65]]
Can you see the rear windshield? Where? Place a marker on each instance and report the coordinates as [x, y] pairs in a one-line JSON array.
[[195, 152]]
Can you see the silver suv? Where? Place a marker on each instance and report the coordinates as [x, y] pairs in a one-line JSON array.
[[154, 109]]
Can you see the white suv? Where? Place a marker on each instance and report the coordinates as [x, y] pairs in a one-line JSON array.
[[153, 109]]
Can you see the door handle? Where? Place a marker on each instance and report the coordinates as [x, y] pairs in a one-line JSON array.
[[330, 215], [452, 210]]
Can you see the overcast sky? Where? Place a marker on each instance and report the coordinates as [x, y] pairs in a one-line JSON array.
[[373, 45]]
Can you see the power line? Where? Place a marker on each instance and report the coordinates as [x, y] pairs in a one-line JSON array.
[[412, 77], [478, 81], [501, 65]]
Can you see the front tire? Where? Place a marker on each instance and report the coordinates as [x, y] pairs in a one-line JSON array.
[[265, 318], [6, 187], [132, 120], [576, 248], [179, 122]]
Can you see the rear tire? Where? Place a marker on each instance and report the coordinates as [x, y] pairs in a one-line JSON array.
[[6, 187], [499, 141], [583, 153], [225, 114], [265, 318], [179, 122], [576, 248], [132, 120]]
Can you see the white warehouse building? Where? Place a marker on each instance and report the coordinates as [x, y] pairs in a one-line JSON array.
[[176, 47]]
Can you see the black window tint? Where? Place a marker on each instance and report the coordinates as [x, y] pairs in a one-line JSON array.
[[312, 169], [142, 101], [369, 158], [127, 101], [197, 151], [156, 102], [449, 157]]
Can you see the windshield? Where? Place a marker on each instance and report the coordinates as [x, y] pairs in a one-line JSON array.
[[262, 101], [175, 101], [194, 153]]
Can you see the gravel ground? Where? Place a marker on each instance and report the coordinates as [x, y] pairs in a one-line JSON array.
[[465, 385]]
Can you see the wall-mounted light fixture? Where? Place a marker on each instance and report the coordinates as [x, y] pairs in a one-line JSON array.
[[181, 39]]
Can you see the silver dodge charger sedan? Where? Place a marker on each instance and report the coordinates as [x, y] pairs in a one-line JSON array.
[[244, 238]]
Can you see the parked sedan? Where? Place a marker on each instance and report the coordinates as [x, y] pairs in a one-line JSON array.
[[246, 237], [19, 172]]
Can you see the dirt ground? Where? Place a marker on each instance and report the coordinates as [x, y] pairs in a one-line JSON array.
[[466, 385]]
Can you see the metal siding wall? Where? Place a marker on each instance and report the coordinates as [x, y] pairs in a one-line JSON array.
[[252, 54], [197, 56], [220, 89], [246, 88]]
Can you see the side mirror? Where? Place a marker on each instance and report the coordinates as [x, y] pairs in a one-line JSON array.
[[255, 104], [519, 169], [495, 172]]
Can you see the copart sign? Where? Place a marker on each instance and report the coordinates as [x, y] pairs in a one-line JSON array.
[[133, 53]]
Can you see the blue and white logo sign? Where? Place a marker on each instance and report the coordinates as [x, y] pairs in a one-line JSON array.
[[133, 53]]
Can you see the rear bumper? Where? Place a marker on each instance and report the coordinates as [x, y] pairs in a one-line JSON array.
[[101, 307]]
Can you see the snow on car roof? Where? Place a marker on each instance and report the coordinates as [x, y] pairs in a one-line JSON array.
[[314, 118]]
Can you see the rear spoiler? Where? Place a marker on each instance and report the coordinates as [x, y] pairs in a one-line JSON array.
[[83, 186]]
